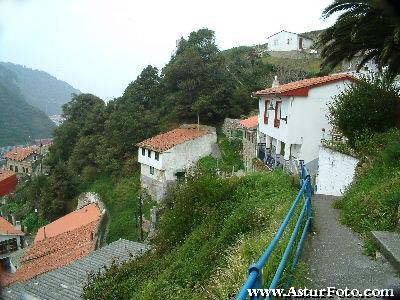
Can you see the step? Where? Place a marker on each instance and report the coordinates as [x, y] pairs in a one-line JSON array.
[[389, 244]]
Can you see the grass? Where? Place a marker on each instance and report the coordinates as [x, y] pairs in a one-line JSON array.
[[213, 231], [372, 201], [311, 65], [121, 201]]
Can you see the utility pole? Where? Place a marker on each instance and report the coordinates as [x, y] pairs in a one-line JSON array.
[[140, 217]]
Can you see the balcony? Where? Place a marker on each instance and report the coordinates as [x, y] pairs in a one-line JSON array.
[[276, 161]]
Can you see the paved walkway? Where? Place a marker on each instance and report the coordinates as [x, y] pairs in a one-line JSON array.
[[334, 254]]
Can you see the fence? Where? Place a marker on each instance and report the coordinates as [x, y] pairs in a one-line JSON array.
[[255, 273]]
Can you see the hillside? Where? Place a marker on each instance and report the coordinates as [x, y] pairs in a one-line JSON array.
[[41, 89], [18, 119], [206, 240]]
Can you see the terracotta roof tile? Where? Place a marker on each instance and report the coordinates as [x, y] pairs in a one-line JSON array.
[[250, 122], [6, 228], [170, 139], [19, 153], [66, 242], [304, 84], [69, 222]]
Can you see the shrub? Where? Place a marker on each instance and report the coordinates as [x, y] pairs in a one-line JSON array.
[[368, 106]]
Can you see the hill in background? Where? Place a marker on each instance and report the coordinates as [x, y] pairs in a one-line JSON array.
[[19, 121], [41, 89]]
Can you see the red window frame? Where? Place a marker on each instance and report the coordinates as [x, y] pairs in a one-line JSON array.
[[266, 111], [277, 120]]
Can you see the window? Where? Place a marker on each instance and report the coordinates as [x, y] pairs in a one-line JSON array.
[[149, 153], [143, 151], [277, 120], [151, 170], [16, 169], [157, 155], [288, 41], [266, 105], [23, 170], [276, 42], [11, 168]]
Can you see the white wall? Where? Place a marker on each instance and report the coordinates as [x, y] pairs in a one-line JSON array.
[[286, 41], [306, 117], [336, 172]]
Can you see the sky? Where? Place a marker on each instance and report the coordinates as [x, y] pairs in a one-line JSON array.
[[100, 46]]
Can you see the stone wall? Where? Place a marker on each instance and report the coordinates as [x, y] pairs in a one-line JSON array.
[[249, 149], [230, 127], [336, 171]]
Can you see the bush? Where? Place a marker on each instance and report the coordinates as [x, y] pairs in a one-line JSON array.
[[368, 106]]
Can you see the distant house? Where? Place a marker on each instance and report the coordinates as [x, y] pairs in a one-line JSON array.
[[293, 119], [8, 182], [290, 41], [59, 243], [165, 158], [23, 160], [11, 239], [249, 127]]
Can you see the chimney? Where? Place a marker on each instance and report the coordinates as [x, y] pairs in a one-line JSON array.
[[275, 82], [18, 225]]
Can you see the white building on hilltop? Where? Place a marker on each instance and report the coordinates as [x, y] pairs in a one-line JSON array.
[[165, 158], [288, 41], [293, 119]]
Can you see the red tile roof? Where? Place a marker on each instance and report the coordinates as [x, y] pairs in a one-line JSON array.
[[6, 228], [19, 153], [301, 87], [250, 122], [66, 240], [170, 139], [72, 221]]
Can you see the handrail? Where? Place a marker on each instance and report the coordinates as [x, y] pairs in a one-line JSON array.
[[255, 276]]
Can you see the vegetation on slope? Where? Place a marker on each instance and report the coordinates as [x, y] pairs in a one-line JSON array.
[[122, 201], [19, 121], [215, 228], [40, 89], [372, 202]]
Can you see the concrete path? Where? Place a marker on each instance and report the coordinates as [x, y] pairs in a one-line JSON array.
[[334, 254]]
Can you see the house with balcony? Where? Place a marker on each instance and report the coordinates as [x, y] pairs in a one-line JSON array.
[[11, 238], [166, 157], [293, 120]]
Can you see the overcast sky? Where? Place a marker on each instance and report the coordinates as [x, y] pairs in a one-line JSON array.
[[99, 46]]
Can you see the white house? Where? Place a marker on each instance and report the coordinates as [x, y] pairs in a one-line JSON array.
[[165, 158], [293, 119], [288, 41]]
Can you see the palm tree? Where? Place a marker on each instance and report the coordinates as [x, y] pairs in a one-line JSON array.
[[369, 29]]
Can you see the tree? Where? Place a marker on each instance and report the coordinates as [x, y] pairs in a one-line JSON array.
[[367, 107], [365, 28], [197, 80]]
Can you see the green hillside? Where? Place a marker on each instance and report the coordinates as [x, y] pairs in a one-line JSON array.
[[19, 121], [41, 89]]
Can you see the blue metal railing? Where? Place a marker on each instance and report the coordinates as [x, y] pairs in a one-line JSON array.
[[255, 277]]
